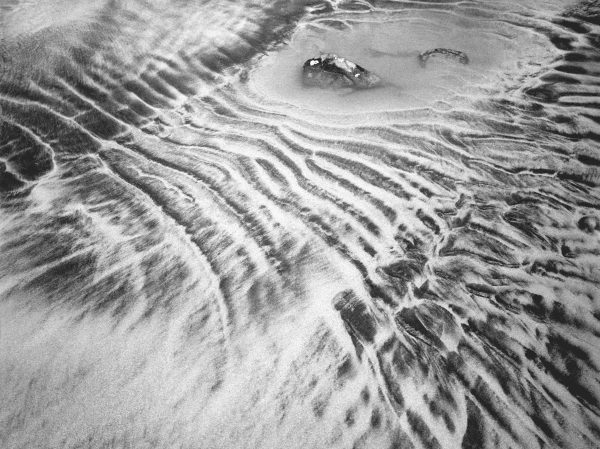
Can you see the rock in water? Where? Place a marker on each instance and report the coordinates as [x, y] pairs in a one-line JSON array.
[[588, 224], [332, 71], [446, 53]]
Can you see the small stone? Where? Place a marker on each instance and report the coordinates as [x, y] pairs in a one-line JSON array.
[[332, 71], [588, 224]]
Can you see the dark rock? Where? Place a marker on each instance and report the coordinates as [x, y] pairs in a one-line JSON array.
[[332, 71], [411, 321], [543, 93], [8, 181], [566, 251], [474, 437], [588, 224], [376, 419], [357, 315], [446, 53], [588, 10]]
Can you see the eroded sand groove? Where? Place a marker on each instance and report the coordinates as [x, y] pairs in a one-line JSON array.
[[192, 260]]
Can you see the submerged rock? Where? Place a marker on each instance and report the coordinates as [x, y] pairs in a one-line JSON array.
[[8, 181], [332, 71], [358, 317], [446, 53], [589, 224]]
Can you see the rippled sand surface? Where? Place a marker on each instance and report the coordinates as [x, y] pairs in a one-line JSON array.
[[197, 251]]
